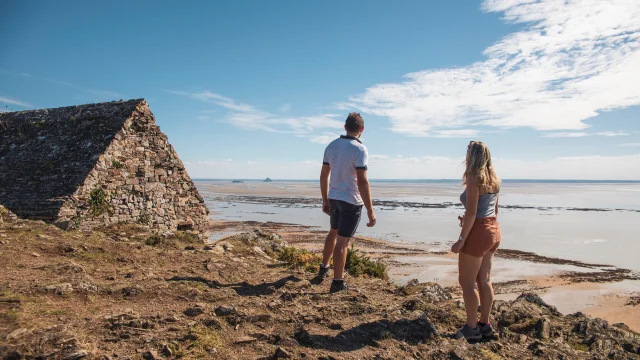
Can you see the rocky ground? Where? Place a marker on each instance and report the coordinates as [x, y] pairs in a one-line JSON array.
[[123, 293]]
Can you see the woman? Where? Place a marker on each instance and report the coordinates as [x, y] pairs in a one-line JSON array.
[[479, 239]]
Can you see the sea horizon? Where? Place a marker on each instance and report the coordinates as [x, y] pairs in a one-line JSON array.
[[550, 181]]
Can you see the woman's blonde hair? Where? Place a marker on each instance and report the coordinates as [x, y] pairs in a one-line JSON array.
[[480, 167]]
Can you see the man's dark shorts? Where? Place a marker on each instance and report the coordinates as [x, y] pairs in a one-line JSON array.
[[345, 217]]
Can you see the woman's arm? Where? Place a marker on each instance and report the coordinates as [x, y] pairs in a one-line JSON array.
[[473, 193], [498, 199]]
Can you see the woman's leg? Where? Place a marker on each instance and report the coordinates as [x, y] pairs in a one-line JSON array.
[[485, 288], [468, 267]]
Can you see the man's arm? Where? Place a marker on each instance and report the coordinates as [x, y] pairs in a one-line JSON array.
[[324, 188], [365, 193]]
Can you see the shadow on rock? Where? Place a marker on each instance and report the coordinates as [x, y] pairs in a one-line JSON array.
[[412, 332]]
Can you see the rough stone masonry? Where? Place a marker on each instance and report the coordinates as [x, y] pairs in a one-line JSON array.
[[98, 164]]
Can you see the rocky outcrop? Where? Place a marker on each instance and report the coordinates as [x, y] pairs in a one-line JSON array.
[[99, 164]]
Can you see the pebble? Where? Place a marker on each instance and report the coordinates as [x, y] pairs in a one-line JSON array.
[[194, 311], [225, 310]]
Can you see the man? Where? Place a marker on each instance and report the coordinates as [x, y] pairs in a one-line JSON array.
[[345, 161]]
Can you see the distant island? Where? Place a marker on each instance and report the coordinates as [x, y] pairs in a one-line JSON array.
[[237, 182], [268, 180]]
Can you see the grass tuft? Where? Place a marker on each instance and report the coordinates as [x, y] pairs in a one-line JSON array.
[[359, 264]]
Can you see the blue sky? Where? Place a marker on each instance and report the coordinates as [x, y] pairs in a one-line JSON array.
[[250, 89]]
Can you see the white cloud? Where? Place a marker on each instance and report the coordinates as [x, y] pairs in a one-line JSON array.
[[583, 134], [566, 134], [612, 133], [573, 60], [630, 145], [10, 101], [248, 117], [378, 156], [462, 133], [324, 138]]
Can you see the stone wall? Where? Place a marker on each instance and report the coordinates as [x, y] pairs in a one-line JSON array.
[[97, 164]]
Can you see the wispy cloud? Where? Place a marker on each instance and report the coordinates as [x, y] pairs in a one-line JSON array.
[[462, 133], [630, 145], [249, 117], [573, 60], [11, 101], [285, 107], [324, 138], [583, 134]]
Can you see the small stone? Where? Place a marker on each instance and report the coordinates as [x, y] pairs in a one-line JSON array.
[[190, 247], [225, 310], [194, 311], [460, 352], [34, 254], [335, 326], [288, 342], [172, 319], [543, 328], [245, 340], [281, 354]]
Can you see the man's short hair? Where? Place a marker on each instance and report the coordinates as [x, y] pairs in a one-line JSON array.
[[354, 122]]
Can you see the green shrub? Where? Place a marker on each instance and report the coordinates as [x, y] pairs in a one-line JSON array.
[[116, 164], [187, 237], [144, 219], [155, 240], [300, 258], [98, 202], [359, 264]]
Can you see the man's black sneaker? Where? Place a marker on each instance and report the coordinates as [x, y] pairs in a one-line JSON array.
[[323, 273], [337, 286]]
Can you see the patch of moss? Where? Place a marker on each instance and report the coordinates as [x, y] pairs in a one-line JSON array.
[[488, 354], [579, 346], [359, 264], [200, 341], [524, 327]]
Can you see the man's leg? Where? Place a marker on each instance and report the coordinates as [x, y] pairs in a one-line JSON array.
[[329, 246], [340, 257]]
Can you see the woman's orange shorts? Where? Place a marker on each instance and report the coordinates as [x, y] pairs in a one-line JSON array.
[[483, 237]]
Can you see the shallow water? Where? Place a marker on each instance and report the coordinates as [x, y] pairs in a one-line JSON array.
[[607, 237]]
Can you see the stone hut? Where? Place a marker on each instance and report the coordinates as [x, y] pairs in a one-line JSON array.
[[98, 164]]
